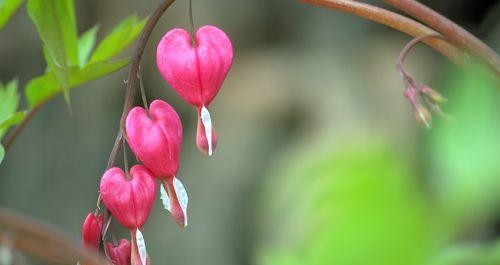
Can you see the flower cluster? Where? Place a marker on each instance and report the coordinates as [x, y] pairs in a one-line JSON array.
[[421, 96], [195, 69]]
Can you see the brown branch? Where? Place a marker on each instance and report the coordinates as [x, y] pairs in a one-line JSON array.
[[395, 21], [15, 133], [43, 241], [132, 75], [448, 28]]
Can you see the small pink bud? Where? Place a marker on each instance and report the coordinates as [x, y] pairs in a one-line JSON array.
[[119, 255], [196, 71], [91, 230], [129, 201], [156, 138]]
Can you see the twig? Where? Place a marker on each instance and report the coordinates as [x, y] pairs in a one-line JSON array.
[[395, 21], [17, 130], [402, 56], [132, 75], [448, 28]]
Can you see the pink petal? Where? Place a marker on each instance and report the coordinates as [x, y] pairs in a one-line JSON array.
[[156, 140], [129, 201], [120, 255], [196, 73], [91, 230]]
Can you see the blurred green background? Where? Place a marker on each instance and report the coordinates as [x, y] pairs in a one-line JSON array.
[[319, 159]]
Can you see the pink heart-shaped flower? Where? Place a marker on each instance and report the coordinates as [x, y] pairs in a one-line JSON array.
[[196, 70], [129, 200], [119, 255], [156, 138], [91, 230]]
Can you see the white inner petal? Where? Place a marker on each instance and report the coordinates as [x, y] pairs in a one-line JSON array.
[[164, 198], [182, 196], [141, 246], [207, 123]]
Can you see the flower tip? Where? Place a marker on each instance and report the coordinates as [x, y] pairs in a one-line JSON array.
[[206, 138]]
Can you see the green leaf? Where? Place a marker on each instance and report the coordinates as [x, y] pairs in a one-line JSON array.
[[350, 204], [121, 36], [2, 153], [43, 88], [9, 101], [12, 119], [85, 45], [56, 25], [7, 9]]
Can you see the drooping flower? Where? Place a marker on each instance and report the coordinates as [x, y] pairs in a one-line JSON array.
[[156, 137], [91, 230], [120, 254], [129, 200], [156, 140], [196, 69]]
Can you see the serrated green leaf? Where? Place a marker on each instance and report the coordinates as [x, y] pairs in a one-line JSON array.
[[43, 88], [7, 9], [86, 43], [121, 36], [2, 153], [56, 25], [9, 101]]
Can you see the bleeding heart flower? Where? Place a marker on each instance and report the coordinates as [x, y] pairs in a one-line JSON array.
[[156, 137], [119, 255], [156, 140], [91, 230], [129, 200], [196, 70]]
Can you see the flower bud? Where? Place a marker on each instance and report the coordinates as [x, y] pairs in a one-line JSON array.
[[432, 95], [119, 255], [129, 200], [196, 70], [91, 230], [156, 138], [423, 116]]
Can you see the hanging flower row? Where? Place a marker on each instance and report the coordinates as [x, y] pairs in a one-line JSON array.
[[195, 67]]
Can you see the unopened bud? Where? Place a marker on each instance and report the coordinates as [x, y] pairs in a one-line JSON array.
[[423, 116], [433, 95]]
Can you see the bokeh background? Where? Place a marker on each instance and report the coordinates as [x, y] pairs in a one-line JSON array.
[[319, 158]]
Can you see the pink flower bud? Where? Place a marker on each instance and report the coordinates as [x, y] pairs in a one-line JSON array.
[[129, 200], [156, 138], [91, 230], [196, 70], [119, 255]]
